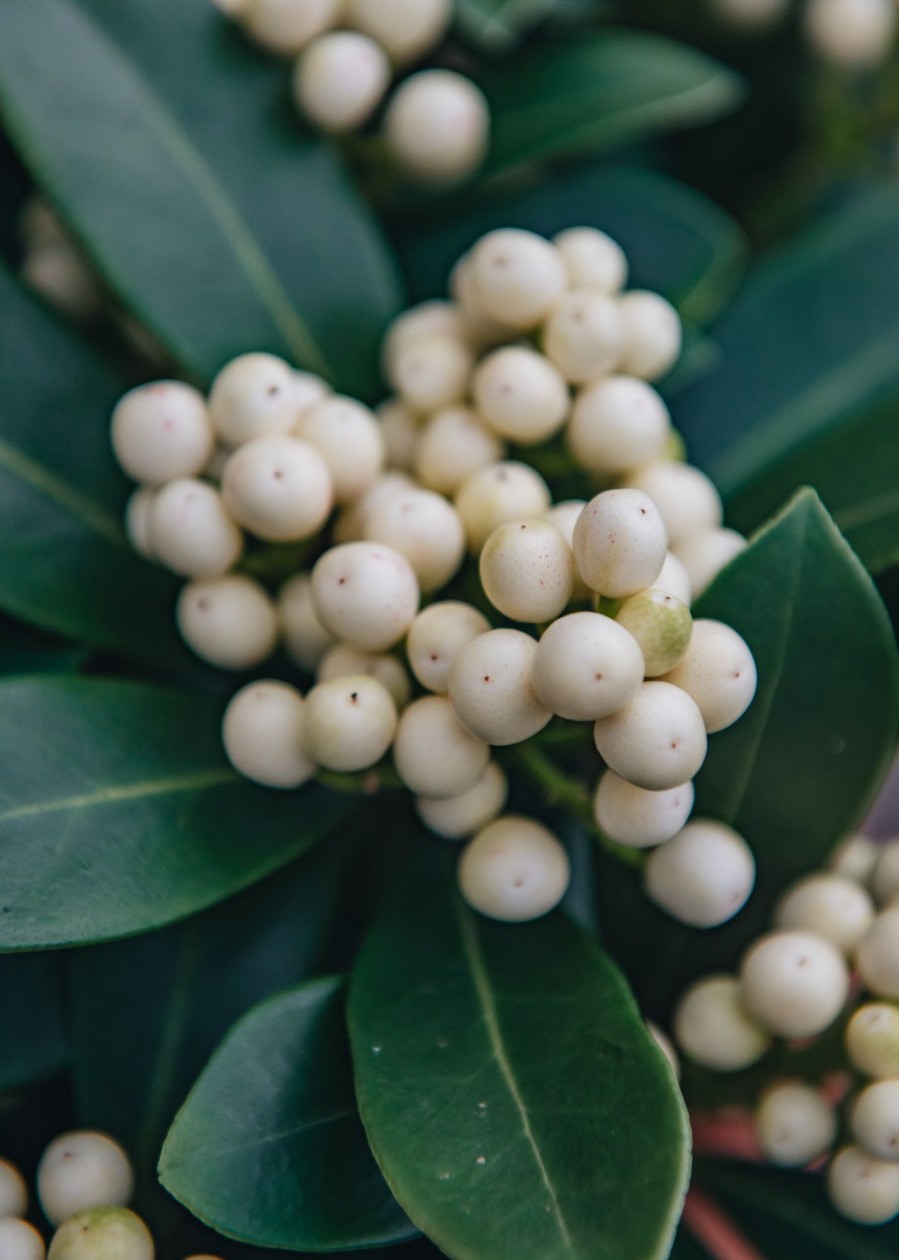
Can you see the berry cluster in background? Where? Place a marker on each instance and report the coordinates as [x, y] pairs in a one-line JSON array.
[[853, 34]]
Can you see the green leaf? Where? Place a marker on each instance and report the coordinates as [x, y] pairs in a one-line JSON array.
[[498, 25], [120, 814], [65, 562], [217, 256], [809, 346], [801, 767], [33, 1041], [511, 1094], [24, 650], [274, 1113], [678, 243], [599, 91]]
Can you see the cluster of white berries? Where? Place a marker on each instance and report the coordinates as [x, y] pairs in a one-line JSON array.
[[854, 34], [84, 1181], [794, 983], [436, 124], [272, 452]]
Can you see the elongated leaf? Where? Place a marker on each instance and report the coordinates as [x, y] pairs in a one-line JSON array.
[[205, 209], [24, 650], [509, 1089], [599, 91], [812, 343], [33, 1041], [499, 24], [678, 243], [119, 813], [275, 1114], [801, 767]]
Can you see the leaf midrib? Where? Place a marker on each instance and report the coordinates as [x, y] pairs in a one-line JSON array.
[[77, 504], [195, 781]]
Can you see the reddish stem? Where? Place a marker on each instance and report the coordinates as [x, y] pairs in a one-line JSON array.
[[712, 1227]]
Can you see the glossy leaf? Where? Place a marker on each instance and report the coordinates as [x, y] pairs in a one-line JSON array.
[[801, 767], [120, 813], [33, 1041], [509, 1089], [597, 92], [24, 650], [65, 563], [274, 1113], [217, 256], [678, 243]]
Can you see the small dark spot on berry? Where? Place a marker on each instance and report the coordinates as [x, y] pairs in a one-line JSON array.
[[272, 390], [642, 511], [354, 696], [486, 678], [203, 604]]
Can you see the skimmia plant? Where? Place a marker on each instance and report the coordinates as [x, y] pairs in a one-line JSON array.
[[448, 579]]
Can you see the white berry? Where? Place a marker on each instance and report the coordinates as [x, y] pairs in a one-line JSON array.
[[706, 553], [491, 688], [496, 494], [855, 858], [718, 671], [458, 816], [795, 1124], [686, 498], [639, 818], [673, 580], [862, 1188], [340, 79], [255, 395], [713, 1028], [365, 594], [651, 335], [584, 335], [405, 28], [435, 638], [592, 259], [229, 621], [620, 543], [856, 34], [305, 638], [517, 277], [657, 741], [19, 1240], [284, 26], [401, 433], [794, 983], [587, 666], [617, 423], [262, 733], [527, 571], [348, 723], [433, 753], [828, 905], [514, 870], [348, 438], [872, 1039], [878, 955], [423, 527], [453, 444], [82, 1170], [431, 372], [875, 1120], [162, 431], [13, 1191], [521, 395], [137, 520], [279, 488], [340, 661], [437, 127], [191, 530], [702, 877]]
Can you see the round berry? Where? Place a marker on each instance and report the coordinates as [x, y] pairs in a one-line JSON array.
[[421, 322], [348, 723], [592, 260], [872, 1040], [620, 543], [406, 28], [103, 1233], [82, 1170], [794, 983], [514, 870], [339, 80], [453, 444], [705, 554], [520, 394], [875, 1120], [491, 688], [878, 955], [431, 372], [795, 1124], [434, 754], [349, 525], [686, 498], [365, 594], [702, 877], [673, 580], [437, 127], [713, 1028], [138, 511], [639, 818], [662, 626], [651, 335], [19, 1240], [340, 661], [456, 817], [13, 1191], [348, 438], [496, 494], [191, 531], [617, 423], [401, 433], [657, 741], [862, 1188], [305, 638], [162, 431], [279, 488], [584, 335], [263, 735], [828, 905], [228, 621], [308, 389], [423, 527], [255, 395], [586, 667], [517, 277], [527, 571], [284, 26], [856, 34], [437, 635], [718, 671]]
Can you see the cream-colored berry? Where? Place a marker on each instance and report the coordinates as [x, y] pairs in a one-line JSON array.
[[279, 488], [434, 754], [341, 661], [496, 494], [64, 278], [365, 594], [875, 1120], [564, 516], [83, 1170], [285, 26], [855, 858], [339, 80], [348, 438], [228, 621], [617, 423], [162, 431], [191, 530], [480, 328], [527, 571], [426, 529], [436, 637], [349, 524], [651, 335], [657, 741], [137, 520], [514, 870], [491, 688], [705, 554], [662, 626], [620, 543], [673, 580], [828, 905], [713, 1028], [795, 983], [406, 28], [308, 389], [878, 955], [517, 277], [456, 817], [872, 1040], [427, 319], [401, 432], [263, 735], [636, 817], [437, 127], [305, 638], [255, 395], [103, 1233], [13, 1191], [453, 444], [795, 1124], [431, 372], [702, 877], [584, 335], [592, 259], [520, 394], [885, 875], [856, 34], [19, 1240], [348, 723], [718, 671], [862, 1188], [686, 498], [586, 667]]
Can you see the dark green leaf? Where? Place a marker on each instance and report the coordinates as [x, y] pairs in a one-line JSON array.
[[24, 650], [678, 243], [120, 813], [65, 563], [801, 768], [597, 92], [274, 1113], [132, 117], [511, 1094], [497, 25], [33, 1039]]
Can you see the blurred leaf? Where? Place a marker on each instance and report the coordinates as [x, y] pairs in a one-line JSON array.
[[512, 1096], [274, 1113], [120, 813], [677, 242], [33, 1041], [498, 25], [801, 767], [156, 100], [809, 346], [599, 91], [24, 650]]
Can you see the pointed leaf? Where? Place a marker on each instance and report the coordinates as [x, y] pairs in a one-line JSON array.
[[120, 814], [274, 1113], [511, 1094]]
